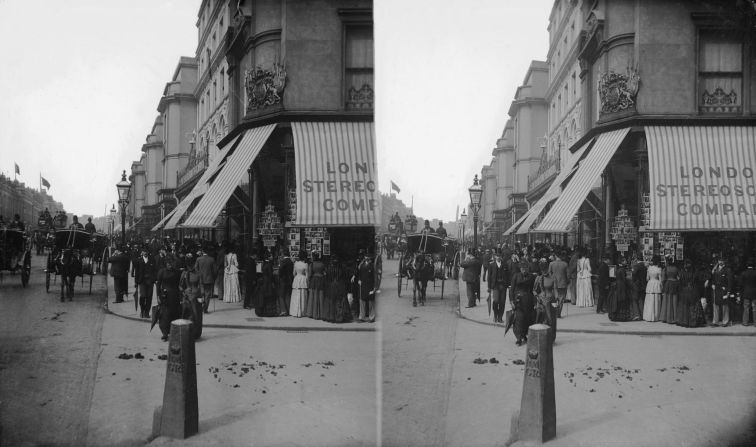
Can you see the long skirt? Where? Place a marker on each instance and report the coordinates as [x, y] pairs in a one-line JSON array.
[[298, 302], [619, 305], [584, 292], [652, 306]]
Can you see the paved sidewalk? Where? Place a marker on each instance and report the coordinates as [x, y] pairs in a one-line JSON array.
[[586, 320], [234, 316]]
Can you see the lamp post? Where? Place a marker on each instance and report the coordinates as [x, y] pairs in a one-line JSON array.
[[112, 222], [476, 191], [123, 188], [463, 216]]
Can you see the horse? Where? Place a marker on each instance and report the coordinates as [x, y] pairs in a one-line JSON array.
[[68, 266], [423, 272]]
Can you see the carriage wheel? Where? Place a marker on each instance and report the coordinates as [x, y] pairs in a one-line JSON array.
[[26, 270]]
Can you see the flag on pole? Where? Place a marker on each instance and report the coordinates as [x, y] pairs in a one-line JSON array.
[[45, 183], [394, 187], [18, 170]]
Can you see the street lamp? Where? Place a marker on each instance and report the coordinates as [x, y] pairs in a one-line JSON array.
[[463, 216], [112, 222], [123, 200], [476, 191]]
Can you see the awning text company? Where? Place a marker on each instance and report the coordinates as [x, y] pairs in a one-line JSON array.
[[344, 185], [720, 183]]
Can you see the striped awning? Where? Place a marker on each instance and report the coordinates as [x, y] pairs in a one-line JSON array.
[[201, 186], [336, 174], [517, 224], [588, 172], [164, 220], [233, 171], [555, 189], [702, 177]]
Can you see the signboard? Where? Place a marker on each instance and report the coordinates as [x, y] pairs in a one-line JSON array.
[[270, 228], [623, 231]]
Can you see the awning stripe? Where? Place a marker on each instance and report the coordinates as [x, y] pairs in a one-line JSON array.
[[336, 174], [554, 190], [201, 186], [589, 170], [517, 224], [231, 174], [164, 220], [702, 177]]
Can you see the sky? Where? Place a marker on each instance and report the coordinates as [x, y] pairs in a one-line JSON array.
[[82, 80]]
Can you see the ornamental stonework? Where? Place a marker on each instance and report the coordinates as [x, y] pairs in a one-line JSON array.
[[720, 101], [618, 91], [360, 99], [265, 87]]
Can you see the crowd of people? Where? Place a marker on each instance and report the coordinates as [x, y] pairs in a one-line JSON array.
[[539, 280], [187, 273]]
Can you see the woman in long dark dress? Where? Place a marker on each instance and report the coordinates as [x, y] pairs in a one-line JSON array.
[[544, 291], [620, 299], [336, 294], [670, 293], [696, 309], [316, 286], [267, 298], [168, 295], [522, 303]]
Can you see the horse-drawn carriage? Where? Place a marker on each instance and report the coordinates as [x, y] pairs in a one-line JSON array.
[[423, 260], [15, 253], [72, 256]]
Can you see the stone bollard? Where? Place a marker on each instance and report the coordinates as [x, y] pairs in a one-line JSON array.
[[536, 420], [179, 416]]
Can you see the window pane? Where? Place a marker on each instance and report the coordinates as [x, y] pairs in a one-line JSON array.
[[720, 53], [359, 47]]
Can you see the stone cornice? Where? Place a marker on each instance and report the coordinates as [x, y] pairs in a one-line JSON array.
[[262, 37], [154, 145], [176, 97], [529, 101]]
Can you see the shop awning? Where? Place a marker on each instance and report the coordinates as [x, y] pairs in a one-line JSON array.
[[517, 224], [336, 174], [555, 189], [588, 172], [233, 170], [164, 220], [201, 186], [702, 177]]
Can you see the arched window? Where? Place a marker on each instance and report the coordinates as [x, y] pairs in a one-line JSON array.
[[222, 126]]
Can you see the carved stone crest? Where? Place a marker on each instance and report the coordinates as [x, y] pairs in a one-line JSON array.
[[719, 101], [360, 99], [618, 91], [265, 87]]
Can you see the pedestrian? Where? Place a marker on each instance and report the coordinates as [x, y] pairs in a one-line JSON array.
[[499, 279], [652, 302], [670, 292], [119, 270], [690, 313], [190, 286], [169, 298], [316, 285], [584, 285], [285, 278], [558, 272], [231, 292], [299, 286], [145, 274], [205, 266], [721, 285], [220, 267], [522, 302], [603, 284], [544, 291], [471, 276], [367, 290], [572, 268], [250, 280], [748, 292]]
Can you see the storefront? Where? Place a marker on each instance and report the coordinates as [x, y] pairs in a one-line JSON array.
[[673, 191], [303, 186]]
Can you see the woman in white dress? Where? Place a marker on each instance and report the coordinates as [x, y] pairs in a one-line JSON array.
[[584, 287], [231, 278], [299, 287], [652, 304]]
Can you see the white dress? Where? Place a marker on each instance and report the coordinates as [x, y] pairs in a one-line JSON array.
[[584, 287], [231, 280], [652, 303], [298, 290]]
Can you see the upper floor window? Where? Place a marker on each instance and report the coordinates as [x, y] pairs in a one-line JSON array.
[[720, 72], [358, 67], [223, 82]]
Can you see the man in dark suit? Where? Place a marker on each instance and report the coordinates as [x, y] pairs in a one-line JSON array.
[[285, 278], [119, 270], [471, 276], [366, 283], [499, 279], [205, 266], [603, 284], [748, 291], [572, 277], [558, 272], [145, 273]]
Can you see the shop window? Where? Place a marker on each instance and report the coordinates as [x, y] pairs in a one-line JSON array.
[[720, 72], [358, 67]]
